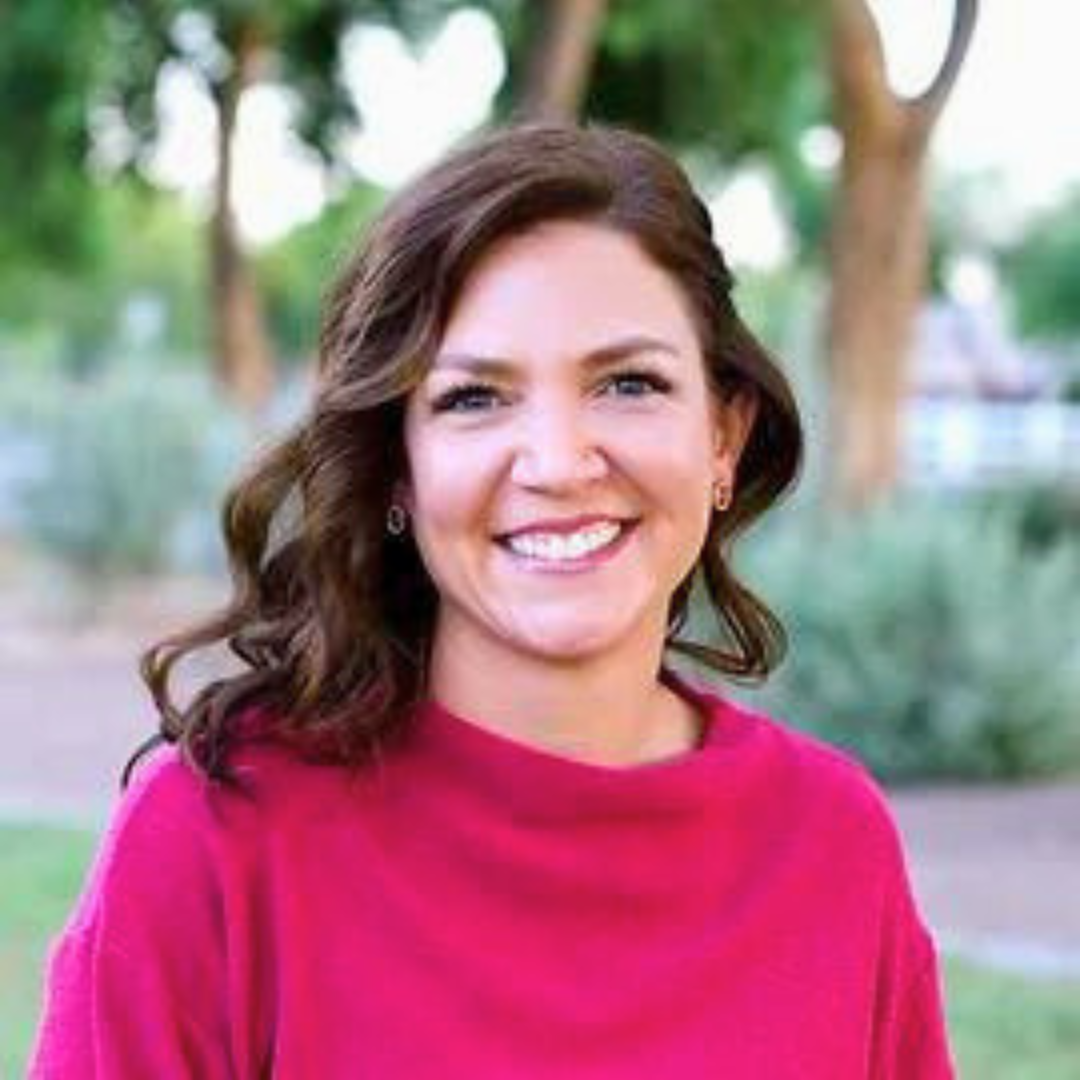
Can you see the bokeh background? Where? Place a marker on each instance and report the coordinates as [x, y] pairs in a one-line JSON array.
[[897, 187]]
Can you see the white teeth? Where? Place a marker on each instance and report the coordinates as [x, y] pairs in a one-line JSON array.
[[555, 546]]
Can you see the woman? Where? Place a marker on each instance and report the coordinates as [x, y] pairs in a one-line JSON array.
[[455, 815]]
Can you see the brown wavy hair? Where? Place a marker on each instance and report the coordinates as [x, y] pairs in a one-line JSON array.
[[330, 617]]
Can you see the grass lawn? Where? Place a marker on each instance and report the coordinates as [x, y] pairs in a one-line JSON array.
[[41, 870], [1003, 1027]]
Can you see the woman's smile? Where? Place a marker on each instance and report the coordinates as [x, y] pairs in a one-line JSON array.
[[563, 551]]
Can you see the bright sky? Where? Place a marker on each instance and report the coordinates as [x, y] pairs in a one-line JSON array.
[[1014, 107], [1011, 113]]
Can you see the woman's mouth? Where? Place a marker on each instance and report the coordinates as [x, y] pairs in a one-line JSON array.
[[580, 549]]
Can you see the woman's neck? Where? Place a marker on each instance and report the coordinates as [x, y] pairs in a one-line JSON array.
[[611, 710]]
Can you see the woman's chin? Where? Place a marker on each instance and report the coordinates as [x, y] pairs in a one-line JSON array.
[[573, 642]]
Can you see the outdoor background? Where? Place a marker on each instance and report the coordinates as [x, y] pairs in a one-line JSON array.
[[900, 199]]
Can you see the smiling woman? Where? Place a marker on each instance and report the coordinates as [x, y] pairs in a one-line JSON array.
[[458, 797], [559, 503]]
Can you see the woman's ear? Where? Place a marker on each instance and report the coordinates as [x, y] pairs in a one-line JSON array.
[[402, 495], [734, 420]]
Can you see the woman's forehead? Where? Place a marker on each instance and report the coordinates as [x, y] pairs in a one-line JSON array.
[[580, 284]]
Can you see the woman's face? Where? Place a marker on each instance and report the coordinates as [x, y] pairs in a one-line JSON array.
[[563, 447]]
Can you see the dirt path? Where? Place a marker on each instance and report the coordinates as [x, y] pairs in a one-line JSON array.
[[997, 870]]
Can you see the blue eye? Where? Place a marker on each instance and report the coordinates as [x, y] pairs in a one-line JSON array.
[[473, 397], [638, 384]]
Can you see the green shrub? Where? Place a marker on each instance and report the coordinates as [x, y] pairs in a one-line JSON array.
[[1044, 513], [1070, 392], [122, 464], [928, 640]]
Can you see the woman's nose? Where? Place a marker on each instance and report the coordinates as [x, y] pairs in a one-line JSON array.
[[556, 450]]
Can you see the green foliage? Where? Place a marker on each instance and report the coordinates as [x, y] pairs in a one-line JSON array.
[[1043, 514], [966, 220], [49, 68], [805, 195], [726, 78], [293, 272], [781, 307], [928, 640], [1041, 272], [1071, 391], [73, 69], [74, 317], [738, 78], [121, 463]]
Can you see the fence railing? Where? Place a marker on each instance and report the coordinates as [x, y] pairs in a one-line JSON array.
[[979, 443]]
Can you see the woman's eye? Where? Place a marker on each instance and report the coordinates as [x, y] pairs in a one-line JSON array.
[[472, 398], [637, 384]]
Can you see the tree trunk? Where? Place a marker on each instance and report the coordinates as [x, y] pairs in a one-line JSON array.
[[557, 69], [878, 272], [242, 355], [879, 247]]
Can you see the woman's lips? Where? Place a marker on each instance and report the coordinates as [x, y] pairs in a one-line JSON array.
[[565, 526]]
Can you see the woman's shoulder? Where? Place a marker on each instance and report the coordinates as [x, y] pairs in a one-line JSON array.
[[156, 843], [830, 806], [821, 780], [265, 778], [175, 832], [165, 796]]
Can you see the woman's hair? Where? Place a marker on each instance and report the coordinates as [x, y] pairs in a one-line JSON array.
[[332, 617]]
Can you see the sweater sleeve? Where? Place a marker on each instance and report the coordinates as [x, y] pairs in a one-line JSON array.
[[136, 982], [922, 1047], [910, 1036]]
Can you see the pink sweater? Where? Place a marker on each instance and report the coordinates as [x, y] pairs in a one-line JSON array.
[[478, 908]]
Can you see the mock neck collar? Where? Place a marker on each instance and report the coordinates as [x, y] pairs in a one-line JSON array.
[[534, 783]]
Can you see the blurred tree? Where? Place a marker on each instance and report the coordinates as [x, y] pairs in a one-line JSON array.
[[50, 59], [230, 45], [293, 271], [71, 70], [1041, 272], [562, 43], [879, 248], [139, 290], [725, 78]]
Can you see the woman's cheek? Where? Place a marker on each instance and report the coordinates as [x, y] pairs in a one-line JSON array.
[[454, 478]]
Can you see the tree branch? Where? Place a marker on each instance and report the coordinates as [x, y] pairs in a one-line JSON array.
[[858, 65], [932, 100]]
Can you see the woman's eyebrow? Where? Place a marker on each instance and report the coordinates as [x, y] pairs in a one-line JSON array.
[[501, 367]]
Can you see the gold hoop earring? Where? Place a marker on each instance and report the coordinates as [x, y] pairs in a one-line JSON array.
[[396, 520], [722, 495]]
